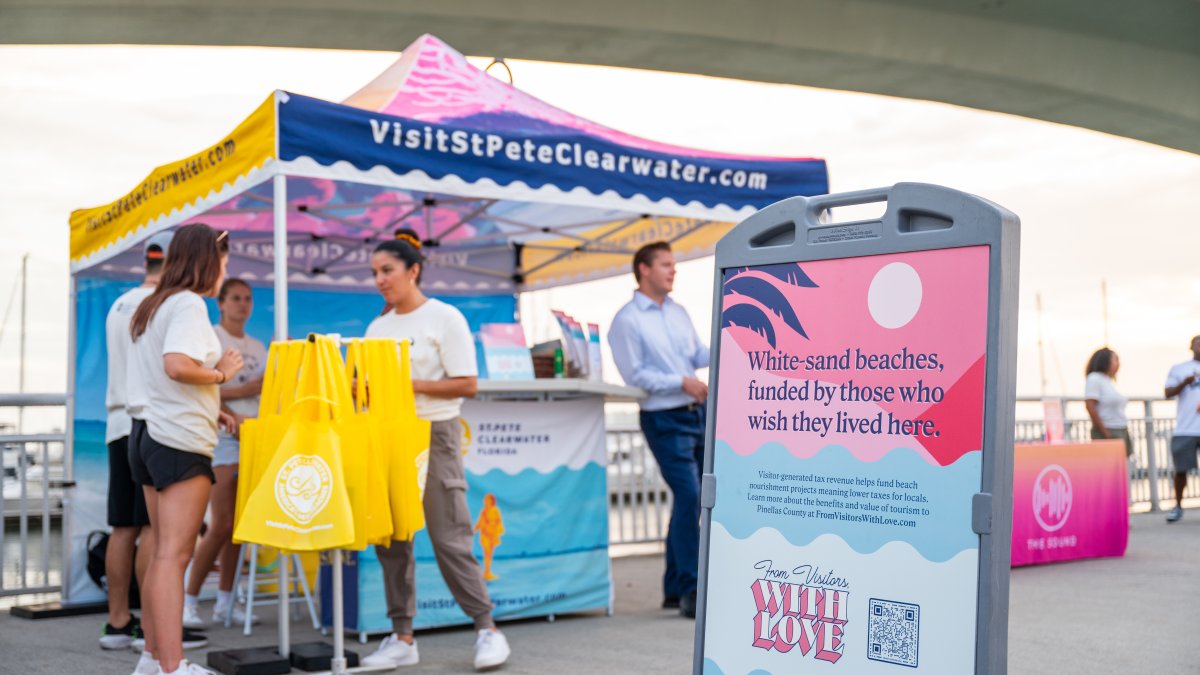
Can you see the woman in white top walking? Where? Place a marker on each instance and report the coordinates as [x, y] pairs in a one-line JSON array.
[[239, 398], [175, 368], [1106, 405], [443, 371]]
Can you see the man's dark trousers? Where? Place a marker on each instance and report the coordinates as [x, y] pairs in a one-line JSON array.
[[676, 437]]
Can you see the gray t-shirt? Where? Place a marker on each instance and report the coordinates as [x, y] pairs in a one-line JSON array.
[[254, 357]]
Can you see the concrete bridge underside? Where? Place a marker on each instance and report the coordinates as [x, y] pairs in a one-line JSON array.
[[1125, 68]]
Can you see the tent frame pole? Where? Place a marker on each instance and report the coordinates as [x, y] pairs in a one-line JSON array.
[[281, 332], [68, 543]]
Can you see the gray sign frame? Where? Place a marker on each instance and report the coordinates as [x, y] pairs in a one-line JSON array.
[[918, 217]]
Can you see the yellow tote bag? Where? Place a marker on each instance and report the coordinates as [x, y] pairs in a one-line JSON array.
[[378, 512], [300, 502], [249, 436], [404, 436], [353, 439], [260, 437]]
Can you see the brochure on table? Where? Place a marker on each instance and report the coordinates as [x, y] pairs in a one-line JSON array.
[[504, 351]]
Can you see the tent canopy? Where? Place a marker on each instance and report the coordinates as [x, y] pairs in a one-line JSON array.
[[508, 192]]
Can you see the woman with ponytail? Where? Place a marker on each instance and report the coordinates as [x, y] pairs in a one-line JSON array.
[[443, 371], [175, 369]]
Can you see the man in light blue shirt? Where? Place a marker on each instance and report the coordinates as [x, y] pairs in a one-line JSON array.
[[656, 348]]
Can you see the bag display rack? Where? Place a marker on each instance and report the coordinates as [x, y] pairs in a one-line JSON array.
[[307, 502]]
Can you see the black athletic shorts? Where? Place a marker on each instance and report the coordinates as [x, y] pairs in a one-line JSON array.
[[126, 501], [153, 463]]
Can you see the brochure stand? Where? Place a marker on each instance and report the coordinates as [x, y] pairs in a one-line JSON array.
[[857, 488]]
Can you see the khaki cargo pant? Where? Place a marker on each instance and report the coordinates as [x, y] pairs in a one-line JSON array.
[[449, 524]]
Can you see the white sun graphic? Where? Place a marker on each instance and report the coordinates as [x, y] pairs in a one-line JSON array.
[[895, 295]]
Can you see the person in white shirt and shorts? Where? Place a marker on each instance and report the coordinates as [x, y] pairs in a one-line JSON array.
[[239, 398], [175, 368], [1184, 381]]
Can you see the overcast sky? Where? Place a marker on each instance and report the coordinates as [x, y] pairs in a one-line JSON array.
[[80, 126]]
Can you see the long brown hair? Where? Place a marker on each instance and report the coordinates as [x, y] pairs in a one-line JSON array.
[[193, 264]]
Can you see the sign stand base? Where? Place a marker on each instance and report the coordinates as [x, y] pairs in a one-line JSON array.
[[314, 656], [250, 661]]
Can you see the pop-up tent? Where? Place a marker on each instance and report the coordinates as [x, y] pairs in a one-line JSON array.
[[507, 192]]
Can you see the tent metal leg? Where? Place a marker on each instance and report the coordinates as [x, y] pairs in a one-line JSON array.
[[285, 623]]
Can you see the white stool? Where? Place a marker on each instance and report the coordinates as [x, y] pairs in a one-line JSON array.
[[252, 596]]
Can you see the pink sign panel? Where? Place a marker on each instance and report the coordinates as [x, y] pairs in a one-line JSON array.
[[848, 448], [1069, 502]]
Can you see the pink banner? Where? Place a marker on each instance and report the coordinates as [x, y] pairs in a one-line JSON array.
[[1069, 502]]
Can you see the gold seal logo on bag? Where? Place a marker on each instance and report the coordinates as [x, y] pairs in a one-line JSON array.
[[303, 487]]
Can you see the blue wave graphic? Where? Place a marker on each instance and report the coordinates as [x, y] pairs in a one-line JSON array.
[[544, 514], [939, 536], [573, 582]]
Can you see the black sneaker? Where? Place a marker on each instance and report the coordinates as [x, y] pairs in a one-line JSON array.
[[670, 602], [190, 640], [687, 606], [120, 638], [193, 640]]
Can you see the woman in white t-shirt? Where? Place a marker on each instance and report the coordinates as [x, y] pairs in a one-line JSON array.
[[1106, 405], [443, 372], [175, 367], [239, 398]]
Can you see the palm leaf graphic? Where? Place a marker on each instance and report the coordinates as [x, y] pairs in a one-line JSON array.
[[749, 316], [789, 273], [767, 294]]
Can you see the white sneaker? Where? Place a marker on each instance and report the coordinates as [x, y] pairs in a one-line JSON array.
[[191, 617], [393, 652], [491, 649], [186, 668], [239, 616], [146, 665]]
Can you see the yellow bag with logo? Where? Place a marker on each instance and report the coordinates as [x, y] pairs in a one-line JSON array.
[[300, 502]]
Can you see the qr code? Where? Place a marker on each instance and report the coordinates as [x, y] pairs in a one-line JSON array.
[[893, 632]]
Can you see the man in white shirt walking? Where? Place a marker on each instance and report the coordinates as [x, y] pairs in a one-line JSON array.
[[1182, 381], [655, 347]]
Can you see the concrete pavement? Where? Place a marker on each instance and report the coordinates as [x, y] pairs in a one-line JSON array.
[[1135, 614]]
